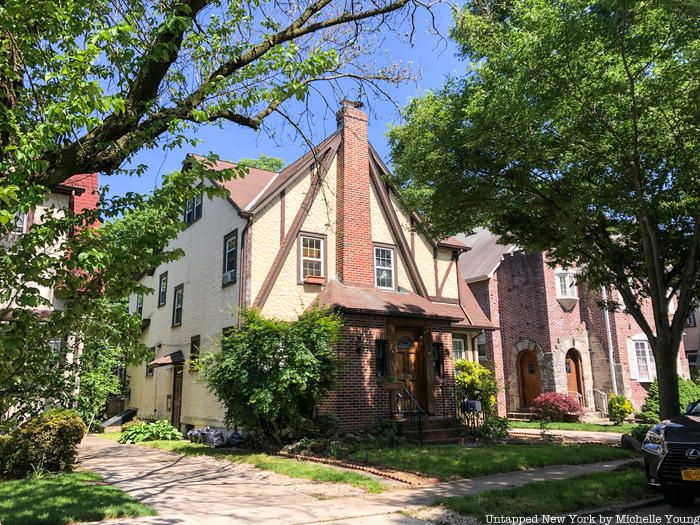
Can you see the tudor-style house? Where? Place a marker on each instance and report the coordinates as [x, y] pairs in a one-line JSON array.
[[553, 334], [326, 230]]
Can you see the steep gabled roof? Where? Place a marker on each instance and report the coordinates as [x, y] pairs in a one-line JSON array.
[[242, 190], [485, 256]]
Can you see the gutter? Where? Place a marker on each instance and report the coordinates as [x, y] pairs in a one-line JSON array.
[[243, 276]]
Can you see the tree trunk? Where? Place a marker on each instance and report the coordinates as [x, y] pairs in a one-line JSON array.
[[666, 357]]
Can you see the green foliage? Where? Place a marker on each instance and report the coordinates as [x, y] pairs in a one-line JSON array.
[[270, 374], [639, 432], [48, 443], [493, 428], [475, 381], [160, 430], [263, 162], [619, 408], [134, 422], [688, 390], [573, 132]]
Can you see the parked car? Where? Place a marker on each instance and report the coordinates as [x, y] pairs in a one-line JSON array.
[[671, 452]]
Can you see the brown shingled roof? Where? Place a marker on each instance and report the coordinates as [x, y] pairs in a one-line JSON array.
[[243, 190], [485, 255]]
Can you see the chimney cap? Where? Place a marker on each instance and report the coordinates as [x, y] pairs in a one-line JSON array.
[[347, 103]]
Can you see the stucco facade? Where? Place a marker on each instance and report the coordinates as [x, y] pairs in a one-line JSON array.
[[325, 231]]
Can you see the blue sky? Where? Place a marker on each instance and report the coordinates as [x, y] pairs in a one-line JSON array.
[[432, 57]]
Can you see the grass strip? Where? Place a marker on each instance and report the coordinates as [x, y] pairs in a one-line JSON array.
[[552, 497], [624, 428], [449, 462], [57, 499]]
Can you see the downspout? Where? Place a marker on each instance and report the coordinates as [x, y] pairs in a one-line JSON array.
[[608, 332], [243, 274]]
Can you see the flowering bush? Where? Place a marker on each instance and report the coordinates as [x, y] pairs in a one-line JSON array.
[[619, 407], [553, 406]]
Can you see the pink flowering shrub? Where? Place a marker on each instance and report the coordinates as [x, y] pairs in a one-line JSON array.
[[553, 406]]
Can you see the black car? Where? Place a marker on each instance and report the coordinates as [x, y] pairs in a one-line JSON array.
[[672, 456]]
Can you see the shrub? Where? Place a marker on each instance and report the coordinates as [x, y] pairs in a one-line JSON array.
[[270, 374], [493, 428], [553, 406], [619, 408], [48, 442], [639, 432], [161, 430], [688, 391], [136, 421], [475, 381]]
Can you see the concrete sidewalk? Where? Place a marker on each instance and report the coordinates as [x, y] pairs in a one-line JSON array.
[[203, 490]]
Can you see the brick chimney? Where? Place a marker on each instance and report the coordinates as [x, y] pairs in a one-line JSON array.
[[354, 253]]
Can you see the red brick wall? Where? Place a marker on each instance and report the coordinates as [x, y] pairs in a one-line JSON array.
[[88, 199], [359, 399], [354, 251]]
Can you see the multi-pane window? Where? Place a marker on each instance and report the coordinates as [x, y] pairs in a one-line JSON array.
[[384, 267], [178, 298], [20, 224], [162, 288], [481, 347], [380, 357], [194, 351], [230, 256], [139, 304], [193, 209], [312, 253], [566, 285], [459, 348], [646, 367]]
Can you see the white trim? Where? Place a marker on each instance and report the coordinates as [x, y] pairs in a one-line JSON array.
[[570, 284], [321, 259], [392, 269]]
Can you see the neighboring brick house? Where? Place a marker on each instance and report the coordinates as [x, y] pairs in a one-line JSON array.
[[691, 341], [326, 230], [553, 334]]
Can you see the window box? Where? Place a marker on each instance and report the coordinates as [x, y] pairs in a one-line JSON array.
[[314, 279]]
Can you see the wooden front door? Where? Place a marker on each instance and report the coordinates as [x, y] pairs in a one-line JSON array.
[[410, 364], [574, 380], [177, 397], [529, 377]]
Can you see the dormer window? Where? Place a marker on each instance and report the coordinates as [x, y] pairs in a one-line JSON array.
[[312, 258], [384, 267]]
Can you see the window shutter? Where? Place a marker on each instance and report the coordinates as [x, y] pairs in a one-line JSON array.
[[632, 359]]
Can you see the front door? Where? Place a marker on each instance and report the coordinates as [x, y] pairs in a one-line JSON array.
[[573, 374], [177, 397], [529, 377], [410, 369]]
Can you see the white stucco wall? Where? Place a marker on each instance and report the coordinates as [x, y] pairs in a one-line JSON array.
[[207, 309]]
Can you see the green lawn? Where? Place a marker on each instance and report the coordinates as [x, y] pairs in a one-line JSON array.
[[65, 498], [557, 496], [449, 462], [592, 427], [288, 467]]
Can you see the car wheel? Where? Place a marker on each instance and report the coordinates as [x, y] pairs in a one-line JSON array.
[[679, 498]]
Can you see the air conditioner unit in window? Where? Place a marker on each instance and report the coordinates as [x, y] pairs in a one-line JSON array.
[[229, 276]]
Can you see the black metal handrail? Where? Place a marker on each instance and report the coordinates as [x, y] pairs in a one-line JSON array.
[[402, 405]]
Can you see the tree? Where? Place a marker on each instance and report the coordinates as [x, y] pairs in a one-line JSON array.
[[87, 84], [263, 162], [270, 374], [574, 132]]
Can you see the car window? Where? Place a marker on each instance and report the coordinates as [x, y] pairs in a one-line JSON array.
[[694, 409]]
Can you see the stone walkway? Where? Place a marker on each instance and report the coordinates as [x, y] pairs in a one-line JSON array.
[[573, 436], [206, 491]]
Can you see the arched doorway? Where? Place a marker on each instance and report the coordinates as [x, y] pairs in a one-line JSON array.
[[530, 386], [574, 375]]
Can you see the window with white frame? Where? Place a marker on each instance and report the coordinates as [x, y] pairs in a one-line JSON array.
[[459, 348], [312, 252], [384, 267], [566, 285], [230, 256], [178, 298], [20, 224], [193, 209], [162, 289], [641, 360]]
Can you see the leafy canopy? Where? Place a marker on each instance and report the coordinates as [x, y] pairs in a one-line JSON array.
[[263, 162], [574, 131], [270, 374]]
